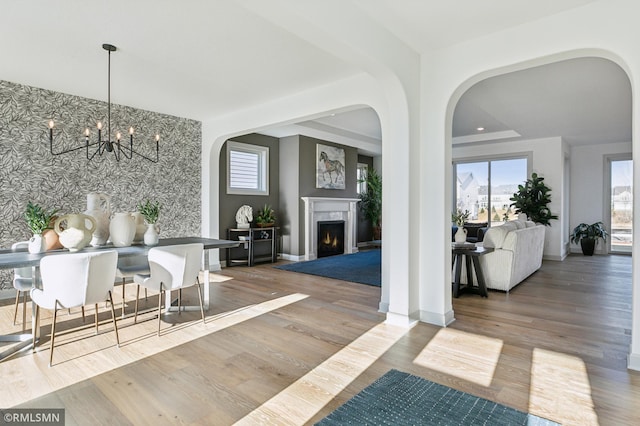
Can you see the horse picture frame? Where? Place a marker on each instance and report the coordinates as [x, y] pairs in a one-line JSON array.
[[330, 167]]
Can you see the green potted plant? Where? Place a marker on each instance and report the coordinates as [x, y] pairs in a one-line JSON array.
[[150, 211], [265, 217], [460, 218], [38, 220], [371, 201], [588, 235], [533, 199]]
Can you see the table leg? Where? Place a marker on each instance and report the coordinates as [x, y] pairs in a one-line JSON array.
[[481, 284], [458, 272], [469, 271]]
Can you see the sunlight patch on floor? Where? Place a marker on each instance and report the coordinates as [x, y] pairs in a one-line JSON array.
[[79, 355], [304, 398], [560, 389], [469, 356]]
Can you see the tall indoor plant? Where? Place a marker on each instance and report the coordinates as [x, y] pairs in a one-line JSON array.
[[371, 201], [588, 235], [533, 199]]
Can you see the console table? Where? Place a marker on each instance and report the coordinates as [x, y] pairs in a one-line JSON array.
[[248, 239], [469, 256]]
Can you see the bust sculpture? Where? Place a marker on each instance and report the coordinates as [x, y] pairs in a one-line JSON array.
[[244, 216]]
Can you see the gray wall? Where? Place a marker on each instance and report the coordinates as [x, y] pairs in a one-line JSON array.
[[290, 194], [28, 171], [229, 203]]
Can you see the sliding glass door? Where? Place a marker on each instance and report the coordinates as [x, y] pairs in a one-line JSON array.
[[484, 188], [621, 197]]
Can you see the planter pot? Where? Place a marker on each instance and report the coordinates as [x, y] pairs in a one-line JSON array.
[[461, 235], [265, 225], [151, 235], [36, 244], [588, 246]]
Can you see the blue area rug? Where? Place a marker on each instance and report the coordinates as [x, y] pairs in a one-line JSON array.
[[399, 398], [363, 267]]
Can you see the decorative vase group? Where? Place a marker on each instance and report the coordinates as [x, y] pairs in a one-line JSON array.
[[77, 230], [99, 207]]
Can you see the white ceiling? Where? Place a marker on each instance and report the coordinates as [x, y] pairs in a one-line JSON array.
[[204, 58]]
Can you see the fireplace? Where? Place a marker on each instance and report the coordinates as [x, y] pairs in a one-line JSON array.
[[319, 209], [330, 238]]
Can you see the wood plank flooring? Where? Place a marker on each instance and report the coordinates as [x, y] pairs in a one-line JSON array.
[[286, 348]]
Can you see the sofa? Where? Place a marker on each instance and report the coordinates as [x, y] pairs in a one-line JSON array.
[[518, 246]]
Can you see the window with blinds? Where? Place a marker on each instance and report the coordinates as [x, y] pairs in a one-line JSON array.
[[247, 169]]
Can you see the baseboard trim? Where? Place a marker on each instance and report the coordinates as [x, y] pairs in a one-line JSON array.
[[633, 362], [400, 320], [437, 319], [291, 257]]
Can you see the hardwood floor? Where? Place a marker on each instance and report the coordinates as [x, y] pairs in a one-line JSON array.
[[285, 348]]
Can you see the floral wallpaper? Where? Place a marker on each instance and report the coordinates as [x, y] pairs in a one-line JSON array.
[[29, 172]]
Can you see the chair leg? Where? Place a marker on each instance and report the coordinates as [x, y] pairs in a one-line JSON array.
[[113, 316], [135, 317], [15, 315], [179, 300], [123, 281], [200, 299], [33, 344], [82, 313], [53, 332], [96, 315], [24, 311], [159, 309]]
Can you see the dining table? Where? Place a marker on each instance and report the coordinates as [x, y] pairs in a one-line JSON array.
[[18, 258]]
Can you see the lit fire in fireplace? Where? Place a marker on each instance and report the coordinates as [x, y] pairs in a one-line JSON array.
[[328, 242]]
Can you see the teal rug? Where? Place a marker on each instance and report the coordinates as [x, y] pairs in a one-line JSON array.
[[399, 398], [363, 267]]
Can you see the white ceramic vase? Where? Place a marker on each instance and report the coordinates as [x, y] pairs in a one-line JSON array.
[[99, 207], [122, 229], [151, 235], [36, 244], [76, 234], [141, 227], [461, 235]]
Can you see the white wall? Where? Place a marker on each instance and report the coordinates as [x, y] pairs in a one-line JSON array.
[[606, 28], [587, 184]]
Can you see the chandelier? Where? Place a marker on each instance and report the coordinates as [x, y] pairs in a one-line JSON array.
[[104, 143]]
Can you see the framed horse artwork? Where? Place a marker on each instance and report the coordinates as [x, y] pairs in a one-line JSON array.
[[329, 167]]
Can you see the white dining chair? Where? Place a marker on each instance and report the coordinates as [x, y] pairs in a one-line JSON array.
[[22, 282], [171, 268], [73, 280], [127, 268]]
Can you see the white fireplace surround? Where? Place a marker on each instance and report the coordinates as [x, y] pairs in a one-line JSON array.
[[318, 209]]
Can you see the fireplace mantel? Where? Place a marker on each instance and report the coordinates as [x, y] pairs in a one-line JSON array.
[[326, 208]]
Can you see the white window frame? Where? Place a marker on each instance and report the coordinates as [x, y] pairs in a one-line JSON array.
[[262, 184], [363, 169]]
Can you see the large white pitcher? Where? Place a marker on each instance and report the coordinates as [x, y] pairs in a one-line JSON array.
[[99, 207], [122, 229]]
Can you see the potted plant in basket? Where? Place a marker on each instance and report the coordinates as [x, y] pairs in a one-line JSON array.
[[38, 220], [588, 235], [150, 211], [265, 217]]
